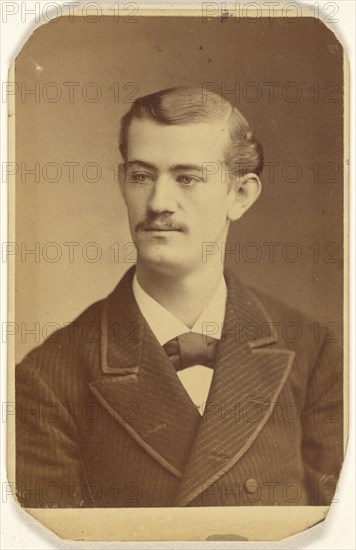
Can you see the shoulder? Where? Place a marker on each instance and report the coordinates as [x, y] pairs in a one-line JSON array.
[[318, 352], [57, 359], [74, 349], [277, 309], [263, 305], [293, 328]]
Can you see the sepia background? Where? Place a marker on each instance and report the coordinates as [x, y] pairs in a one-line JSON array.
[[287, 79]]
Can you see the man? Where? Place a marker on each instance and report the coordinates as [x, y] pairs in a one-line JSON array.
[[190, 396]]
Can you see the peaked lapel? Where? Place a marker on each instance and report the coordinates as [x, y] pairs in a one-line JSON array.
[[248, 377], [138, 385]]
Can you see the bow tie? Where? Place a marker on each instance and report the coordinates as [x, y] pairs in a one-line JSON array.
[[190, 349]]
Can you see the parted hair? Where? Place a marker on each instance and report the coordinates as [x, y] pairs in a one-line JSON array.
[[186, 105]]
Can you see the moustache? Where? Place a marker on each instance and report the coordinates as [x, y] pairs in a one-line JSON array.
[[160, 223]]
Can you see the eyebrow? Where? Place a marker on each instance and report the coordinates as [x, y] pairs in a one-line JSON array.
[[142, 163], [175, 168], [182, 167]]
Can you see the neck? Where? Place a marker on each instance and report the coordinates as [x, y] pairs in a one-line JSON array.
[[184, 295]]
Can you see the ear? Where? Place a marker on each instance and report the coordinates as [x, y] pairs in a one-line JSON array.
[[244, 191]]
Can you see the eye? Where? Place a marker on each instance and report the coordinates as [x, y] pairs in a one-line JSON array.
[[139, 177], [187, 180]]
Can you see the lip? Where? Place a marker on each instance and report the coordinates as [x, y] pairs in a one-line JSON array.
[[161, 230], [161, 233]]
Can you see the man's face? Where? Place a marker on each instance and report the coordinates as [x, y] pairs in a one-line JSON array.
[[175, 201]]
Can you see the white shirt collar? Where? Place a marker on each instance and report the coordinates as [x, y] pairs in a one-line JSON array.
[[166, 326]]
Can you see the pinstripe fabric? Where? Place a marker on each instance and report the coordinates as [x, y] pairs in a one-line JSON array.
[[147, 445], [165, 413], [239, 368]]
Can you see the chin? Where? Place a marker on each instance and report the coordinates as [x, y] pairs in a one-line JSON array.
[[157, 256], [161, 259]]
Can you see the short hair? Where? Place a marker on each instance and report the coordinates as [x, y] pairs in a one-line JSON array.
[[186, 105]]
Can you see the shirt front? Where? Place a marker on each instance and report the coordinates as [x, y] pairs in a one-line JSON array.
[[196, 380]]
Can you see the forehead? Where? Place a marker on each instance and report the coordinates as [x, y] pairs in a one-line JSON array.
[[164, 145]]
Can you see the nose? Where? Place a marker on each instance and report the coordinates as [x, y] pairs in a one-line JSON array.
[[162, 198]]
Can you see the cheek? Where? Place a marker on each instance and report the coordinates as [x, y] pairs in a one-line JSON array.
[[213, 208], [135, 203]]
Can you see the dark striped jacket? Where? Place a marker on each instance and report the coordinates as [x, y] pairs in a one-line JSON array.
[[103, 420]]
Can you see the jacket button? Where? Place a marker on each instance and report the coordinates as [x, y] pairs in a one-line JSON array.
[[251, 486]]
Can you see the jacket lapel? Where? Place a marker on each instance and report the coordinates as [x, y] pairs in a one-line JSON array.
[[139, 387], [248, 378]]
